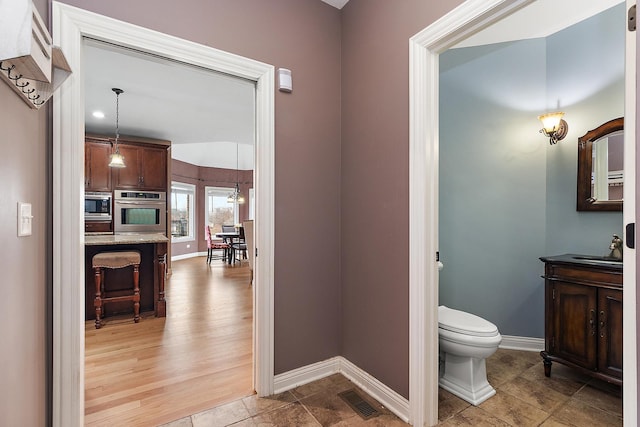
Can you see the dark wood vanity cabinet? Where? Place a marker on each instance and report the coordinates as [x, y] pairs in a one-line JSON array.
[[583, 316], [97, 173], [146, 168]]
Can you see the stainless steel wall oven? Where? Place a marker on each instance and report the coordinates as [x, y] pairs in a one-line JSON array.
[[140, 212]]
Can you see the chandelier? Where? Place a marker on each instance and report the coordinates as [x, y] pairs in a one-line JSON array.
[[236, 196]]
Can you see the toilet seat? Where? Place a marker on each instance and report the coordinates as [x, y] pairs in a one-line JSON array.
[[464, 323]]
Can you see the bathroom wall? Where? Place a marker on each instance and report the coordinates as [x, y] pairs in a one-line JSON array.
[[493, 183], [585, 74], [506, 196]]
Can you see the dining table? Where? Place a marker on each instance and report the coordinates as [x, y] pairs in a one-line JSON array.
[[228, 237]]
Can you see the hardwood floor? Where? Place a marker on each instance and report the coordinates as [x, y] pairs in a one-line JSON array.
[[162, 369]]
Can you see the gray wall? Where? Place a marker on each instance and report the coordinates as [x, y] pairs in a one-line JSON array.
[[585, 69], [24, 261], [375, 182], [506, 196], [492, 183]]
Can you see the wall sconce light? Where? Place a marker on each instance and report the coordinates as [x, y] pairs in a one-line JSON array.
[[554, 127]]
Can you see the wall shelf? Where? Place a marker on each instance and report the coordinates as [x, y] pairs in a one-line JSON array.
[[29, 63]]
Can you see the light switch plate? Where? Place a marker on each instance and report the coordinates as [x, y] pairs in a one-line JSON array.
[[24, 219]]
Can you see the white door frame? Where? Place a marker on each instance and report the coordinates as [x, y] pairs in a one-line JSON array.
[[424, 50], [70, 26], [629, 302]]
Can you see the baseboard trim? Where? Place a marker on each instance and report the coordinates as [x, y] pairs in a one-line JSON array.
[[187, 256], [511, 342], [376, 389], [305, 374], [372, 386]]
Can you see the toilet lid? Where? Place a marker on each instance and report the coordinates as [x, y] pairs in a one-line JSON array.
[[465, 323]]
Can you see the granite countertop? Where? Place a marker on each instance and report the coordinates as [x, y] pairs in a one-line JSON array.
[[581, 259], [123, 239]]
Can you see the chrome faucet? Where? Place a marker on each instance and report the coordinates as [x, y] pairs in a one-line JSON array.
[[616, 247]]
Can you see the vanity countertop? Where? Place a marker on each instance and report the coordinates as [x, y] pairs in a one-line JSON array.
[[586, 260], [123, 239]]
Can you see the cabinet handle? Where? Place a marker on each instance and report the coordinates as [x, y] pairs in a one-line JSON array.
[[592, 321], [602, 324]]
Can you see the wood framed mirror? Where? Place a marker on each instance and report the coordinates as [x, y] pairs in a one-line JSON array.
[[600, 167]]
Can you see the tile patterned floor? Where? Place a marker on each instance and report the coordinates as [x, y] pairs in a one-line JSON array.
[[524, 397]]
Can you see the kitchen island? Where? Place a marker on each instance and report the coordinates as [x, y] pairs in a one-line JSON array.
[[153, 251]]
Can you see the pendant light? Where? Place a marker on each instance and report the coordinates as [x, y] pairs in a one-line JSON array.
[[116, 160], [236, 197]]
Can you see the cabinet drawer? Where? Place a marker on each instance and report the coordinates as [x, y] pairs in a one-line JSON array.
[[98, 227], [583, 275]]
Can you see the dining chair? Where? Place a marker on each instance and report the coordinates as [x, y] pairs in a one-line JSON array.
[[248, 234], [239, 245], [213, 245]]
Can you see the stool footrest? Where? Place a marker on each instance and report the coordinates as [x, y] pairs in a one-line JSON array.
[[120, 298]]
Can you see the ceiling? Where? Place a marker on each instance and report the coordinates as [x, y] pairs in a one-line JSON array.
[[535, 20], [209, 117], [336, 3], [206, 115]]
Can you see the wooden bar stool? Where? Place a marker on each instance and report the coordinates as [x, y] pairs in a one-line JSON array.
[[115, 260]]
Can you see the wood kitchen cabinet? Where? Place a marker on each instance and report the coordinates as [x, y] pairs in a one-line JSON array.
[[98, 226], [146, 168], [583, 315], [146, 164], [97, 173]]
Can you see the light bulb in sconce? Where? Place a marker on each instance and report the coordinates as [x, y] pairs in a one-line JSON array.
[[553, 126]]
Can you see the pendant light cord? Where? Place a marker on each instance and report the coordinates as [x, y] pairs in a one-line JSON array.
[[117, 119], [117, 92]]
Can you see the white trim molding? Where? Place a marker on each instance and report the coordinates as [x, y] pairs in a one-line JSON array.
[[630, 214], [369, 384], [70, 26], [424, 50], [376, 389], [510, 342], [306, 374], [187, 256]]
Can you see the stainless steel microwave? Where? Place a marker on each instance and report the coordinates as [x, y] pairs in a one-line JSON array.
[[140, 212], [97, 206]]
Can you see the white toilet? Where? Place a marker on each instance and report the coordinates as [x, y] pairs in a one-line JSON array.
[[466, 340]]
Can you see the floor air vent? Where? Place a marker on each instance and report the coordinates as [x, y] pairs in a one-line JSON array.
[[358, 404]]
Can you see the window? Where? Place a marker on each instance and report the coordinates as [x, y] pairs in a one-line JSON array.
[[217, 210], [182, 208]]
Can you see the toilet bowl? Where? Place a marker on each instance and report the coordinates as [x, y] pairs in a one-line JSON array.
[[466, 340]]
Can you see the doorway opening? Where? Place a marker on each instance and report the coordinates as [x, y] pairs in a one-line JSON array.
[[201, 354], [70, 26], [425, 48]]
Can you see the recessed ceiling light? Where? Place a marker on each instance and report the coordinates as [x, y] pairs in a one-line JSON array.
[[98, 114]]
